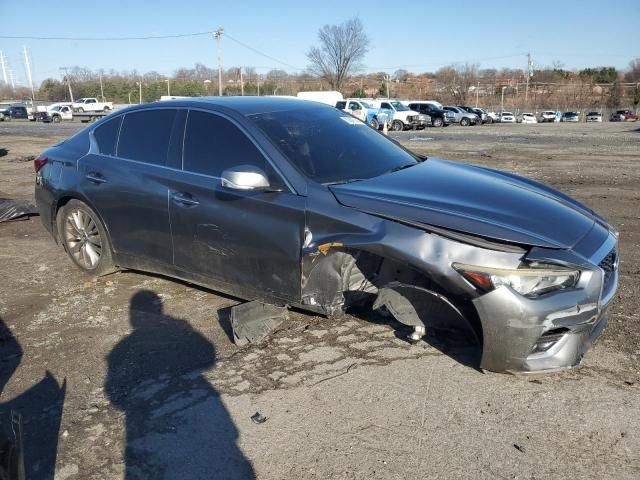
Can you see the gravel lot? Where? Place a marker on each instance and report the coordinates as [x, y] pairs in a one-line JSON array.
[[154, 388]]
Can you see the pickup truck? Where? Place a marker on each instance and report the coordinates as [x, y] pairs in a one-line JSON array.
[[403, 117], [57, 113], [91, 105], [374, 117]]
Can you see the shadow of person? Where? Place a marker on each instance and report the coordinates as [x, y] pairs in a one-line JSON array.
[[40, 407], [176, 424]]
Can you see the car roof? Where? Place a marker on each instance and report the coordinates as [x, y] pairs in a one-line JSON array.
[[248, 105]]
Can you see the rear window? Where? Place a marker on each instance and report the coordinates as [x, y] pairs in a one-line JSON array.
[[145, 136], [106, 136]]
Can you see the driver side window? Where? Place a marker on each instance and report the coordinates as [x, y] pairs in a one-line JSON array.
[[213, 144]]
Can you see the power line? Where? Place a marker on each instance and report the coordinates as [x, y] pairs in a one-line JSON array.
[[261, 53], [106, 39]]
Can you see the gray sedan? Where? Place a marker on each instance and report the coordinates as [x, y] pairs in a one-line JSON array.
[[295, 203]]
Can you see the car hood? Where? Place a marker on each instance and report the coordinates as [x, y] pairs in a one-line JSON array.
[[473, 200]]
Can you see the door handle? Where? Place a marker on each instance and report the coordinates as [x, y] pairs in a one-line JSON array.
[[185, 199], [95, 177]]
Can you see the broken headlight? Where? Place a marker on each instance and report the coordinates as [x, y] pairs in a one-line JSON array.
[[530, 282]]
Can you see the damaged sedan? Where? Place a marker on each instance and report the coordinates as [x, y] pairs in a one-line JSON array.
[[293, 203]]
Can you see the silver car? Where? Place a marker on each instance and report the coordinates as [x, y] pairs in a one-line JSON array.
[[462, 117]]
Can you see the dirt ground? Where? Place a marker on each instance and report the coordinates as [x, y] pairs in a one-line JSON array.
[[136, 375]]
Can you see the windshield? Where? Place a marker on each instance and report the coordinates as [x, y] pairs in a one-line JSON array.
[[507, 114], [329, 147], [365, 104], [399, 106]]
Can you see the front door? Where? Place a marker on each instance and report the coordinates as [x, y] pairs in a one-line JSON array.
[[250, 241]]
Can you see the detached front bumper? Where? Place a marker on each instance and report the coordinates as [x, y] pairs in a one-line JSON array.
[[551, 332]]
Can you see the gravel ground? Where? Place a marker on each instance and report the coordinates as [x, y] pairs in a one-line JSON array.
[[114, 382]]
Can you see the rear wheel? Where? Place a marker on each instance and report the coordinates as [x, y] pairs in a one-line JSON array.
[[437, 122], [397, 126], [489, 120], [465, 122], [374, 124], [106, 109], [85, 239], [55, 119]]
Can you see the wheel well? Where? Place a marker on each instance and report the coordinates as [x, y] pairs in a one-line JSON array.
[[336, 277]]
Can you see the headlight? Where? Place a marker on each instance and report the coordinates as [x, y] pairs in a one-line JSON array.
[[530, 282]]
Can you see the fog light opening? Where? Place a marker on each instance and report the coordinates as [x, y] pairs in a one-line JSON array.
[[549, 339]]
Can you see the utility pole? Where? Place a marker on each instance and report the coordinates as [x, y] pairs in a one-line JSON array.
[[241, 83], [477, 93], [386, 77], [526, 90], [27, 66], [68, 80], [101, 88], [258, 77], [4, 68], [502, 100], [168, 87], [139, 91], [217, 35]]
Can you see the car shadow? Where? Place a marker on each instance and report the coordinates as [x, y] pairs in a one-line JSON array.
[[3, 151], [40, 407], [176, 423]]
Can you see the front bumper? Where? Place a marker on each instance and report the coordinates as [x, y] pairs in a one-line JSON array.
[[550, 332]]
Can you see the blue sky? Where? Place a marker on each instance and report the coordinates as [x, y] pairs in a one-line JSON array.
[[417, 35]]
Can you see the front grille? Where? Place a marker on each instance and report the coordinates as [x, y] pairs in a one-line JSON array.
[[608, 264]]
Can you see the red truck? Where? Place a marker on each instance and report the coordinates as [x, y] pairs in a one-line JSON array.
[[624, 116]]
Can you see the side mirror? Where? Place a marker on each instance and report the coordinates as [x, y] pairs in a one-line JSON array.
[[245, 177]]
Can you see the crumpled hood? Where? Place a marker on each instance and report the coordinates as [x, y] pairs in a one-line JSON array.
[[474, 200]]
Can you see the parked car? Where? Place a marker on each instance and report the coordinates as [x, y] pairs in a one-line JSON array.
[[482, 116], [57, 114], [403, 118], [547, 116], [526, 117], [462, 117], [14, 112], [506, 117], [624, 116], [593, 117], [438, 116], [313, 209], [91, 105], [570, 117], [374, 117]]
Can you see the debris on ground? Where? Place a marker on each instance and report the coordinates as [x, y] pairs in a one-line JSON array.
[[253, 321], [13, 209], [258, 418]]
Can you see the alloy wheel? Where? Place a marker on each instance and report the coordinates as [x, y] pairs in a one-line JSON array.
[[83, 239]]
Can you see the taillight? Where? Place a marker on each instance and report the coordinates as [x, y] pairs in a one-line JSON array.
[[39, 162]]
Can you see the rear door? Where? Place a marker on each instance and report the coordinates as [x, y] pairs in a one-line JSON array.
[[125, 178], [247, 240]]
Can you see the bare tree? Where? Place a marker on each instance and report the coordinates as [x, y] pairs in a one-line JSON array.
[[340, 53], [457, 81]]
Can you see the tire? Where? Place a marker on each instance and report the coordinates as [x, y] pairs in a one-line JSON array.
[[56, 119], [397, 126], [464, 122], [437, 122], [374, 124], [85, 239], [489, 120], [106, 109], [80, 110]]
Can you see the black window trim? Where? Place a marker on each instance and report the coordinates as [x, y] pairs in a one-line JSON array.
[[93, 144]]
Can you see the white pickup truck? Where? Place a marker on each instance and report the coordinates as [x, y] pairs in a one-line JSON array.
[[91, 105]]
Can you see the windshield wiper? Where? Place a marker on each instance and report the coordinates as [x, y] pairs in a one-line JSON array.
[[346, 180], [402, 167]]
